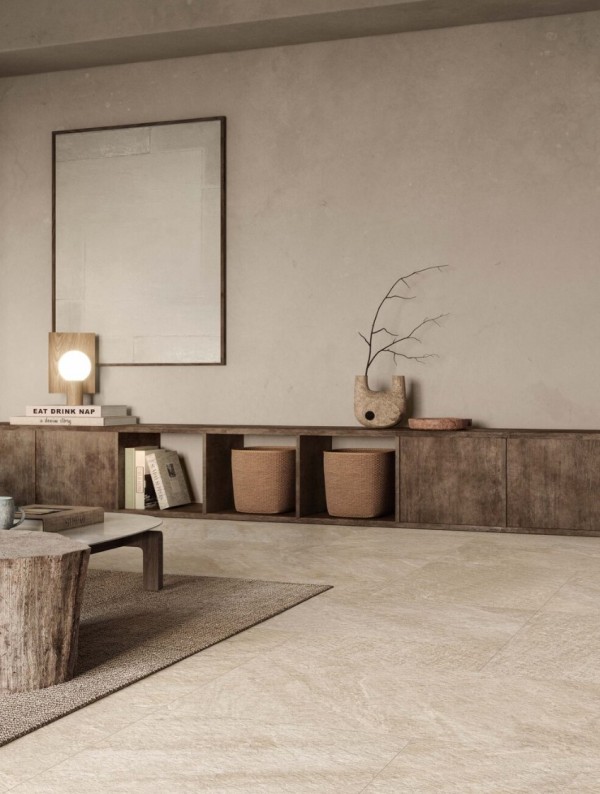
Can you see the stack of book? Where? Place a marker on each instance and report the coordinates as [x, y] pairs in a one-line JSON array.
[[75, 415], [154, 478]]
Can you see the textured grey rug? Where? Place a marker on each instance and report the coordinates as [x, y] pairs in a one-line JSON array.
[[127, 633]]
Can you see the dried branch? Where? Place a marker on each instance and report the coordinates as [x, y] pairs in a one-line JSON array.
[[397, 339], [379, 330], [411, 335], [418, 359]]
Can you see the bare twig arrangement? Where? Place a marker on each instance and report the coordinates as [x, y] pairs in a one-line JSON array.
[[396, 338]]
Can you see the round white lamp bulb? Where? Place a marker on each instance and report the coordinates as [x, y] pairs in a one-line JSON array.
[[74, 366]]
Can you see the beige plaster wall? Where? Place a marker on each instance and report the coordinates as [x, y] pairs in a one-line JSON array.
[[50, 22], [350, 164]]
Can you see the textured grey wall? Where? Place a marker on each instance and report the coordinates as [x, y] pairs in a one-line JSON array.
[[349, 164]]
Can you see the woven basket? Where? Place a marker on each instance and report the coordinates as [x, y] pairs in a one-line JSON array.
[[359, 483], [264, 479]]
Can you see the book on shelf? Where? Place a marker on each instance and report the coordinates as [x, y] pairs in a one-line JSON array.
[[139, 488], [73, 421], [55, 518], [76, 410], [168, 477]]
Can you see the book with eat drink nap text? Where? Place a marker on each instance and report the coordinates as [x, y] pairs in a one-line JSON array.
[[76, 410], [55, 518]]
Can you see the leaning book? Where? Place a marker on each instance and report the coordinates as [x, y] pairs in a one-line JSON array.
[[55, 518], [168, 477], [145, 493], [139, 488], [73, 421], [76, 410]]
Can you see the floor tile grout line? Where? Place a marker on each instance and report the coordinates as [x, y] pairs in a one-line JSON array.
[[52, 765], [527, 623], [385, 766], [193, 689], [149, 713]]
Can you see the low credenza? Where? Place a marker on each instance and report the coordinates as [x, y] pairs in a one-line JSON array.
[[541, 481]]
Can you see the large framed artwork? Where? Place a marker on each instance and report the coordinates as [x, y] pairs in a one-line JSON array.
[[139, 240]]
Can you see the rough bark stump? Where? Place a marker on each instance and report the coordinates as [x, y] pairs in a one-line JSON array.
[[42, 576]]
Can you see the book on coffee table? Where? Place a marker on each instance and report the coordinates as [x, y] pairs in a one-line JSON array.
[[55, 518]]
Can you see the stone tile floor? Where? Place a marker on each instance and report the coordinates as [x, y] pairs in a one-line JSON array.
[[440, 662]]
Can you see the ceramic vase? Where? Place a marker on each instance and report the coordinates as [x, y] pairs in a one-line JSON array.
[[379, 408]]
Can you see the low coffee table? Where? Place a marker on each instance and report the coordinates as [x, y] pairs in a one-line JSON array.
[[39, 642], [124, 529]]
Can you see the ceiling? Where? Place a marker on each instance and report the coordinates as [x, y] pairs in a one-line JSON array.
[[54, 35]]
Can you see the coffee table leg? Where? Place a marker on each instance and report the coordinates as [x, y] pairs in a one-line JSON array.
[[151, 544]]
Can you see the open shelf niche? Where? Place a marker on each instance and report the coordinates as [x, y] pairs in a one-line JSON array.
[[310, 500]]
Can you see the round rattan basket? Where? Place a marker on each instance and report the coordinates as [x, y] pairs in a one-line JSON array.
[[359, 483], [264, 479]]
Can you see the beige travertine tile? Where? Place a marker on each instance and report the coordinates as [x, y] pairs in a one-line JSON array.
[[553, 646], [437, 541], [408, 543], [438, 767], [387, 618], [42, 749], [338, 555], [343, 555], [454, 638], [485, 550], [38, 751], [581, 594], [25, 758], [507, 585], [291, 686], [319, 564], [446, 640], [195, 671], [186, 754], [589, 545]]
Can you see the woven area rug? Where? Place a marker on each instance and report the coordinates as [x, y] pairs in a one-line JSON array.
[[127, 633]]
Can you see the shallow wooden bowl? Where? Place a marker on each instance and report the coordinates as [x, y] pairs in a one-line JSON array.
[[441, 423]]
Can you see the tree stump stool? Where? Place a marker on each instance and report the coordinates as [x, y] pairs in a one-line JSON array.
[[42, 576]]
